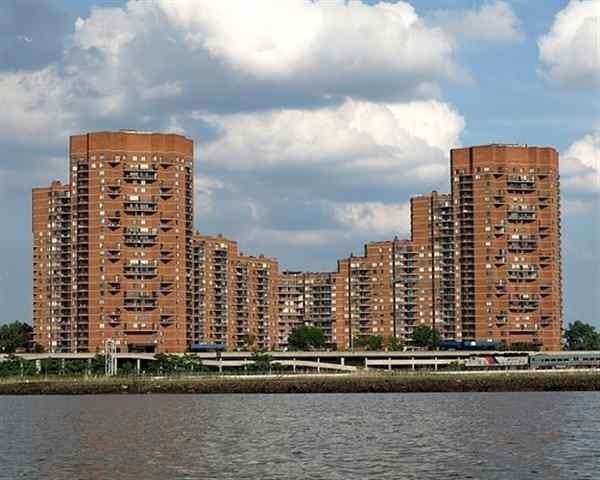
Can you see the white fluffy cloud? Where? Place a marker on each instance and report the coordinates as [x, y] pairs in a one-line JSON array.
[[494, 22], [297, 50], [225, 57], [375, 218], [408, 140], [581, 164], [270, 38], [570, 51]]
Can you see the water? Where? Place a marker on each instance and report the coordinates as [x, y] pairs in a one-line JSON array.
[[369, 436]]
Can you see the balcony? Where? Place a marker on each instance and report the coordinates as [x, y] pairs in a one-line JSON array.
[[114, 285], [545, 258], [114, 318], [140, 300], [140, 237], [521, 183], [523, 302], [113, 220], [522, 272], [165, 255], [113, 190], [135, 204], [166, 317], [166, 285], [166, 162], [522, 213], [139, 174], [522, 243], [500, 258], [166, 190], [141, 269], [166, 223], [113, 253]]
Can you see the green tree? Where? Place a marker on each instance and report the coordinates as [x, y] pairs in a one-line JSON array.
[[393, 344], [306, 337], [424, 336], [262, 361], [582, 336], [13, 336], [11, 366], [249, 342], [177, 364], [368, 342]]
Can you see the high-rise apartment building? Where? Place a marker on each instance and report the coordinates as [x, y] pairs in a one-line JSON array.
[[432, 237], [254, 319], [54, 326], [364, 303], [234, 296], [506, 204], [305, 298], [213, 287], [115, 257], [129, 208], [132, 197]]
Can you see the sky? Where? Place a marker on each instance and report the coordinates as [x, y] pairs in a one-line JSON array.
[[313, 121]]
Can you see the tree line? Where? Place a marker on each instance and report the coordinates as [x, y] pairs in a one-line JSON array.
[[17, 336]]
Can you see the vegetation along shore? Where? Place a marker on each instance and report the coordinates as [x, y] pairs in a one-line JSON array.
[[337, 383]]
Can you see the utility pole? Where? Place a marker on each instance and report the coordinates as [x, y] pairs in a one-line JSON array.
[[110, 357]]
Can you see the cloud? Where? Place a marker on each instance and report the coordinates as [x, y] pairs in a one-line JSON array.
[[205, 187], [363, 142], [293, 237], [32, 33], [300, 112], [491, 22], [238, 54], [570, 51], [580, 167], [375, 218], [577, 207]]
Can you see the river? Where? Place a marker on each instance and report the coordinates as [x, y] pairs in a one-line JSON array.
[[363, 436]]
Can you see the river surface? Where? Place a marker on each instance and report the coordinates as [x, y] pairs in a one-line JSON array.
[[511, 436]]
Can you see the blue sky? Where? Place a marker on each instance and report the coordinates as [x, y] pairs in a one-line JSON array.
[[314, 122]]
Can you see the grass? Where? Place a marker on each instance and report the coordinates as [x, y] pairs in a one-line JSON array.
[[339, 383]]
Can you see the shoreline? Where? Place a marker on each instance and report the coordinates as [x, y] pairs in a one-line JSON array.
[[547, 381]]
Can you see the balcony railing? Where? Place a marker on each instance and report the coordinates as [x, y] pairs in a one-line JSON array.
[[521, 183], [133, 173]]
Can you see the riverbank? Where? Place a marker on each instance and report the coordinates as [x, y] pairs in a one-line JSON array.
[[351, 383]]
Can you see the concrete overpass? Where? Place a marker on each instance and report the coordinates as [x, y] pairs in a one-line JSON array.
[[315, 360]]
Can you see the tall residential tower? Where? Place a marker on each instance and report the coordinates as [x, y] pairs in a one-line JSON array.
[[506, 201]]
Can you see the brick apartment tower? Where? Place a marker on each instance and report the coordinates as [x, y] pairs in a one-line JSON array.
[[51, 227], [234, 296], [132, 227], [305, 298], [364, 303], [508, 247], [432, 237]]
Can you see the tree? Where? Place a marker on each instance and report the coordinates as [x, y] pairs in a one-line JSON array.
[[262, 361], [393, 344], [424, 336], [369, 342], [306, 337], [13, 336], [249, 342], [582, 336], [177, 364]]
